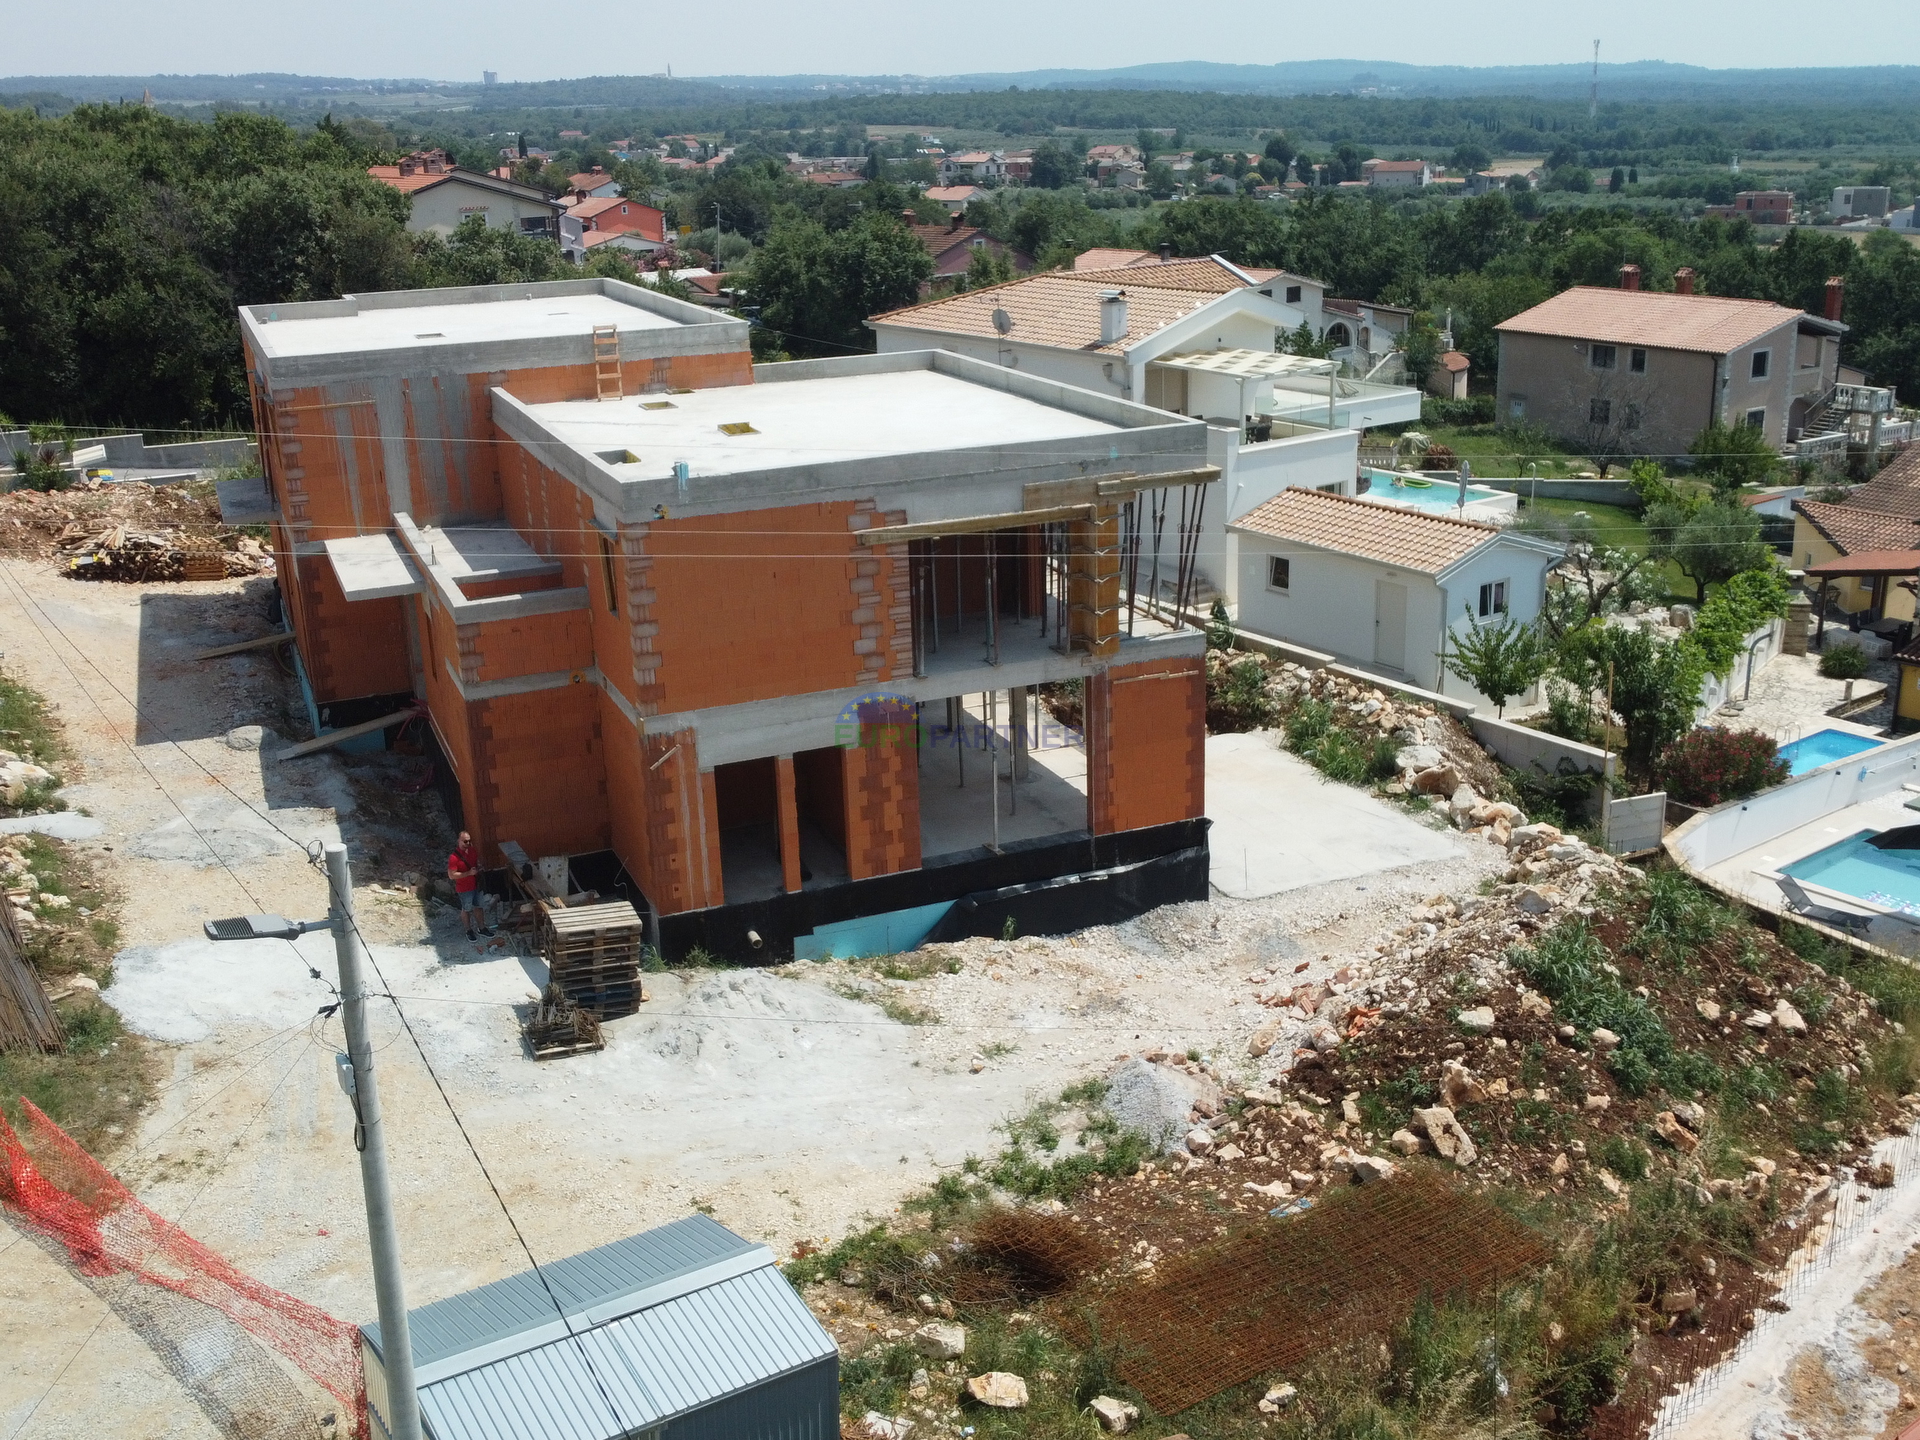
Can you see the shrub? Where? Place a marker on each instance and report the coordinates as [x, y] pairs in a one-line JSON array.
[[1474, 410], [1710, 766], [1440, 457], [1843, 662]]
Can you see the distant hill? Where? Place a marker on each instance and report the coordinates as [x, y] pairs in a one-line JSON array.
[[1648, 80]]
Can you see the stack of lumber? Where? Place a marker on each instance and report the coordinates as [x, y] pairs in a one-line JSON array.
[[555, 1027], [593, 954]]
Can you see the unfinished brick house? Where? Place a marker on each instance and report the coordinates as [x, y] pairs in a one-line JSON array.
[[759, 644]]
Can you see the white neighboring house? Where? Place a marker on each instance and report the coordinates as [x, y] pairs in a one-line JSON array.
[[1381, 588], [1198, 337], [443, 195]]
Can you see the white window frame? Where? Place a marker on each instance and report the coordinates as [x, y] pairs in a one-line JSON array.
[[1603, 357], [1496, 596], [1293, 294], [1756, 417], [1282, 567], [1760, 365]]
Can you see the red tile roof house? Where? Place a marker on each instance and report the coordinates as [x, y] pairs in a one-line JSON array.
[[952, 248], [1644, 372], [716, 632], [1388, 174], [615, 213], [443, 195], [593, 182]]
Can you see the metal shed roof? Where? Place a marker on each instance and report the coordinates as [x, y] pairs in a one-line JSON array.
[[656, 1325], [590, 1280]]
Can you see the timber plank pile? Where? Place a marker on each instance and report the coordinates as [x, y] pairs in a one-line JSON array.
[[27, 1021]]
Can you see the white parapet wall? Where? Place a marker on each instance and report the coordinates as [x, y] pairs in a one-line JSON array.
[[1740, 825]]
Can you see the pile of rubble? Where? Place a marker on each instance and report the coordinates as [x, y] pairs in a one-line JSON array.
[[35, 909], [131, 532], [1431, 739], [19, 778]]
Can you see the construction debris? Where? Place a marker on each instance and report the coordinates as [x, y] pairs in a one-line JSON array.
[[131, 532], [555, 1027]]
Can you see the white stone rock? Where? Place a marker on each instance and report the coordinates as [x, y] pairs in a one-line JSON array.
[[998, 1390], [1114, 1415], [1479, 1020], [1605, 1040], [1373, 1167], [1785, 1017], [1449, 1139], [1199, 1140], [940, 1341], [885, 1427]]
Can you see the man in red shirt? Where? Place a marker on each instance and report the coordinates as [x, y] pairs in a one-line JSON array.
[[463, 868]]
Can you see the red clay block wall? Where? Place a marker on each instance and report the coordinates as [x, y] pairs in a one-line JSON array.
[[350, 650], [759, 604], [680, 867], [883, 793], [1146, 744], [539, 775]]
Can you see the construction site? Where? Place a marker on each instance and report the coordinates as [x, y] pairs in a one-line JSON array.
[[890, 1009]]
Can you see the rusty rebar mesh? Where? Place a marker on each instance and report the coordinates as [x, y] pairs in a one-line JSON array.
[[1275, 1296], [1014, 1256]]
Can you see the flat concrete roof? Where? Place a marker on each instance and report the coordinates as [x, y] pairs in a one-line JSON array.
[[483, 552], [808, 422], [407, 327]]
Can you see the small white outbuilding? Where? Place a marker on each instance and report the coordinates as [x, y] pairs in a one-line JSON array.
[[1380, 587]]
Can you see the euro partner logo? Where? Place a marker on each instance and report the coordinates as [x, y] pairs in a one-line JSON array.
[[885, 718]]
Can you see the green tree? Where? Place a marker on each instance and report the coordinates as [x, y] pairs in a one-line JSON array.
[[1617, 181], [986, 266], [1278, 149], [817, 287], [1500, 660], [1469, 158], [1655, 683], [1711, 543], [1054, 168], [1730, 456]]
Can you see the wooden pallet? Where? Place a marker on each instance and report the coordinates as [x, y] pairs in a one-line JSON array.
[[593, 954], [557, 1027]]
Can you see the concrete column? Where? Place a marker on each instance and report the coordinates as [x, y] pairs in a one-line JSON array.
[[789, 804], [1019, 732]]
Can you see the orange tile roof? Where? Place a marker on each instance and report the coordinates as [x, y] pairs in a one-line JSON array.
[[1870, 562], [1455, 360], [1896, 489], [1709, 324], [1406, 539], [1059, 309], [1105, 259], [1854, 528]]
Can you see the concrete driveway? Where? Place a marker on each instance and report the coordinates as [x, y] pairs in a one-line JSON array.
[[1279, 825]]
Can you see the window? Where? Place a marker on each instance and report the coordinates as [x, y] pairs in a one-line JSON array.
[[1762, 360], [607, 573], [1599, 412], [1493, 599], [1637, 361], [1293, 294], [1279, 573], [1517, 407], [1756, 419], [1632, 418], [1602, 357]]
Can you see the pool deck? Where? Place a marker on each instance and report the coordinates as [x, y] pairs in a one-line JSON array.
[[1791, 699], [1743, 874]]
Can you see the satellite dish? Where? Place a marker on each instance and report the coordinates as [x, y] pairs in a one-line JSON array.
[[1002, 321]]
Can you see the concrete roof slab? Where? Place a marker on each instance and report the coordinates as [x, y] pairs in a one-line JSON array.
[[371, 567]]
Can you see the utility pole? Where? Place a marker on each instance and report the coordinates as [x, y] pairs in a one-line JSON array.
[[355, 1073], [396, 1344]]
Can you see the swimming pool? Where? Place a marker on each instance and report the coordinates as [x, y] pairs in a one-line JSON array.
[[1854, 867], [1823, 747], [1441, 495]]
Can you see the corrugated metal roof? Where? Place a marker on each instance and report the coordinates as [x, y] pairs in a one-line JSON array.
[[580, 1283], [637, 1371]]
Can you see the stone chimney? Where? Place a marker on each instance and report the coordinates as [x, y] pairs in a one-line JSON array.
[[1683, 280], [1113, 316], [1629, 277], [1836, 295]]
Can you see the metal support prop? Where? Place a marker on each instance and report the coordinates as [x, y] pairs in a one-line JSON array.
[[396, 1344], [993, 608], [990, 703]]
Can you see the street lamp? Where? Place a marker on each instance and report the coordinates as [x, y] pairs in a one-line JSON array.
[[356, 1078]]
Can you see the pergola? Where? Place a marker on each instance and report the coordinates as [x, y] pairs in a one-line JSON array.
[[1254, 366], [1880, 566]]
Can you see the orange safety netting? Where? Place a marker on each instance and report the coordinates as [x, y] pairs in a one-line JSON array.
[[49, 1184]]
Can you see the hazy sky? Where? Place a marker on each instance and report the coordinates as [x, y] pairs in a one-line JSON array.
[[438, 40]]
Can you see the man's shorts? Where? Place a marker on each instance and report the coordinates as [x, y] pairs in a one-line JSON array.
[[470, 899]]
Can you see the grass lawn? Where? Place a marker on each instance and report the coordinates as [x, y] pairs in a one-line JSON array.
[[1623, 529], [1499, 452]]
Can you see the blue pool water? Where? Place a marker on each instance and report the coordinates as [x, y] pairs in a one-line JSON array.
[[1853, 867], [1440, 495], [1823, 747]]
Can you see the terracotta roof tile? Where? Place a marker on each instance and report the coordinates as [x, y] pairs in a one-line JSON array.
[[1063, 309], [1709, 324], [1107, 259], [1896, 489], [1406, 539], [1853, 528]]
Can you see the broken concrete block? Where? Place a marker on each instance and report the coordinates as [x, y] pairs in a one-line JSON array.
[[939, 1341], [998, 1390]]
